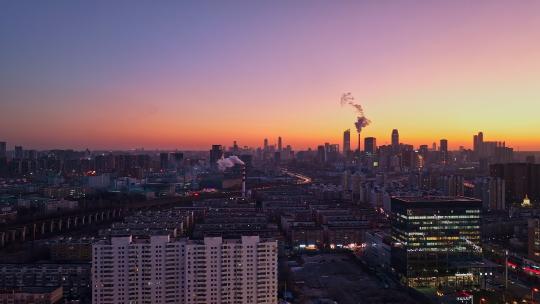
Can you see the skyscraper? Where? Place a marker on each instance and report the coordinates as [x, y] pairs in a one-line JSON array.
[[395, 140], [479, 144], [443, 146], [370, 145], [215, 153], [279, 144], [346, 142], [443, 149], [437, 241], [265, 146]]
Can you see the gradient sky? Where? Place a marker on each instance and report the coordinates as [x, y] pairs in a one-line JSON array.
[[182, 74]]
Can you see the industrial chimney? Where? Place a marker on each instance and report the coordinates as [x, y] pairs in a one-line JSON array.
[[244, 181]]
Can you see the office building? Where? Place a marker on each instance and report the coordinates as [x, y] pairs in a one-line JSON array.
[[370, 145], [443, 146], [158, 269], [395, 140], [443, 150], [437, 241], [215, 154], [347, 142], [279, 144]]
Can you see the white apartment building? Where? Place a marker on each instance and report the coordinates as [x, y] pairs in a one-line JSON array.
[[158, 269]]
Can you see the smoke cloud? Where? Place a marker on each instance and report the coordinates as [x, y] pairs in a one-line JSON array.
[[224, 163], [361, 121]]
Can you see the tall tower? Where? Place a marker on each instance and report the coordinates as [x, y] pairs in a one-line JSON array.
[[395, 140], [443, 146], [279, 144], [266, 144], [480, 143], [346, 142], [443, 149]]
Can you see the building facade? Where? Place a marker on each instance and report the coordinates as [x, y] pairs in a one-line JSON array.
[[436, 240], [158, 269]]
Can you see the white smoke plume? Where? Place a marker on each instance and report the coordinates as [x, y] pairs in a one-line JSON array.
[[224, 163], [361, 121]]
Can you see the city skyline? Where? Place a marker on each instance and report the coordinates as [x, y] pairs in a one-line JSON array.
[[188, 75]]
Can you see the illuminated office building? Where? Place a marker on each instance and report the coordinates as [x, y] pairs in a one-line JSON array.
[[437, 241]]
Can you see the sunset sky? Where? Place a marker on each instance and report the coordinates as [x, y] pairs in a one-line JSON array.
[[188, 74]]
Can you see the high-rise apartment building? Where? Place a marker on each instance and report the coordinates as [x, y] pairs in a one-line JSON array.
[[521, 179], [478, 143], [491, 190], [158, 269], [437, 241], [452, 185]]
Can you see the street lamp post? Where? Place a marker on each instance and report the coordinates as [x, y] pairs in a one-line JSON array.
[[506, 269], [533, 290]]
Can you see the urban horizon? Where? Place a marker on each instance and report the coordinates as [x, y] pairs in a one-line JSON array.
[[272, 141]]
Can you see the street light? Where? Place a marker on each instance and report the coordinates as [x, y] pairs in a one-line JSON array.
[[533, 290]]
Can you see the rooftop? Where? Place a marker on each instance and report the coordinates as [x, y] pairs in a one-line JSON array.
[[435, 199]]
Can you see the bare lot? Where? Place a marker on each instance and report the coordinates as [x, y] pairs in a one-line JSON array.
[[326, 278]]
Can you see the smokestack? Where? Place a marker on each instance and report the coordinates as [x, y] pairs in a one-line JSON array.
[[243, 181], [359, 142]]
